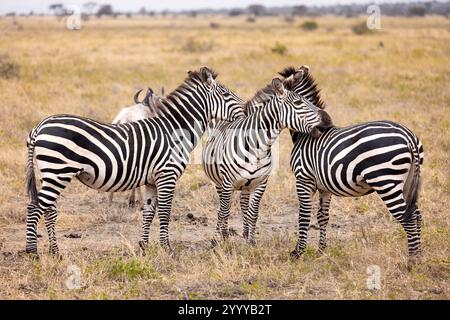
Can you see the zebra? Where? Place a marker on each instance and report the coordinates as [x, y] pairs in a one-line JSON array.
[[140, 110], [152, 152], [378, 156], [237, 156]]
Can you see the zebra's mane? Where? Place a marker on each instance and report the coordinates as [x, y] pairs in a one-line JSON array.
[[260, 98], [307, 86], [159, 104]]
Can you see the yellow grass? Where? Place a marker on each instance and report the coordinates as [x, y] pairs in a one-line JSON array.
[[94, 72]]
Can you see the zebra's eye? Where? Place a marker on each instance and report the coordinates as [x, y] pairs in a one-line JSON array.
[[298, 102]]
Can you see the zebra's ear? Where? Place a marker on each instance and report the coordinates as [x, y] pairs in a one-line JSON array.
[[304, 68], [298, 75], [277, 85], [206, 75]]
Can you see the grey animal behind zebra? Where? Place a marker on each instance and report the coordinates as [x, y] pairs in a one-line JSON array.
[[140, 110]]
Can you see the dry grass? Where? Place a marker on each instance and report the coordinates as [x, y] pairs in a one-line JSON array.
[[94, 72]]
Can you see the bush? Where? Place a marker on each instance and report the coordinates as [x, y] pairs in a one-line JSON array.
[[417, 11], [8, 69], [279, 48], [309, 25], [214, 25], [193, 45], [361, 28], [131, 269]]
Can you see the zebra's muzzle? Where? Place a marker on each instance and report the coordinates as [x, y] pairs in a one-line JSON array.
[[324, 124]]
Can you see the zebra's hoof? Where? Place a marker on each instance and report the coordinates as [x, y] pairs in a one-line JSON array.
[[412, 262], [143, 246], [214, 243], [295, 254], [251, 242], [33, 255]]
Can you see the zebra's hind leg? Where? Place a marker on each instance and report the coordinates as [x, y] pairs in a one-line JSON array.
[[148, 213], [323, 217], [393, 198], [52, 186], [50, 222], [34, 214], [253, 211], [305, 192], [244, 200], [224, 193]]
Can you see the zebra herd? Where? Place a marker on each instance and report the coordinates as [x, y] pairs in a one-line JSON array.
[[380, 156]]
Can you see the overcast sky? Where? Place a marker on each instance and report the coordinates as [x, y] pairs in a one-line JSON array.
[[41, 6]]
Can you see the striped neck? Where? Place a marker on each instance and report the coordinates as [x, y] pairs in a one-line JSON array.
[[184, 113], [264, 121]]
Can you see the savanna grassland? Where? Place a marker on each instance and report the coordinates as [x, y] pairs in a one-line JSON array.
[[400, 73]]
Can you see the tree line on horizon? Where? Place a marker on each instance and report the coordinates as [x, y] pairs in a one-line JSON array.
[[91, 8]]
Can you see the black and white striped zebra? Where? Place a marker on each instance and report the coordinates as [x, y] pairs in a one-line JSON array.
[[378, 156], [152, 152], [140, 110], [237, 155]]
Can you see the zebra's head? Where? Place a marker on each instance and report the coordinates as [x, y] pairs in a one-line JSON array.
[[221, 102], [298, 113]]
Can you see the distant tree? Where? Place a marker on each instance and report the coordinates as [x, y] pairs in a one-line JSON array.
[[57, 9], [417, 11], [257, 9], [105, 10], [31, 13], [142, 11], [192, 14], [90, 6], [299, 10], [235, 12], [10, 14]]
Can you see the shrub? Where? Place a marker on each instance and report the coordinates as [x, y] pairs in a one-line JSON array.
[[279, 48], [193, 45], [214, 25], [8, 69], [131, 269], [309, 25], [361, 28], [417, 11]]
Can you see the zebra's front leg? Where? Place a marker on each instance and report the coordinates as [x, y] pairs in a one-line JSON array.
[[165, 191], [244, 201], [323, 217], [132, 198], [50, 222], [224, 209], [148, 213], [305, 192], [253, 211]]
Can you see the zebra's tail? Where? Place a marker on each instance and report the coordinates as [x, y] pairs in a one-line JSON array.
[[411, 192], [31, 179]]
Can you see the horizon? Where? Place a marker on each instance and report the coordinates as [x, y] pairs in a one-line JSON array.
[[42, 6]]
